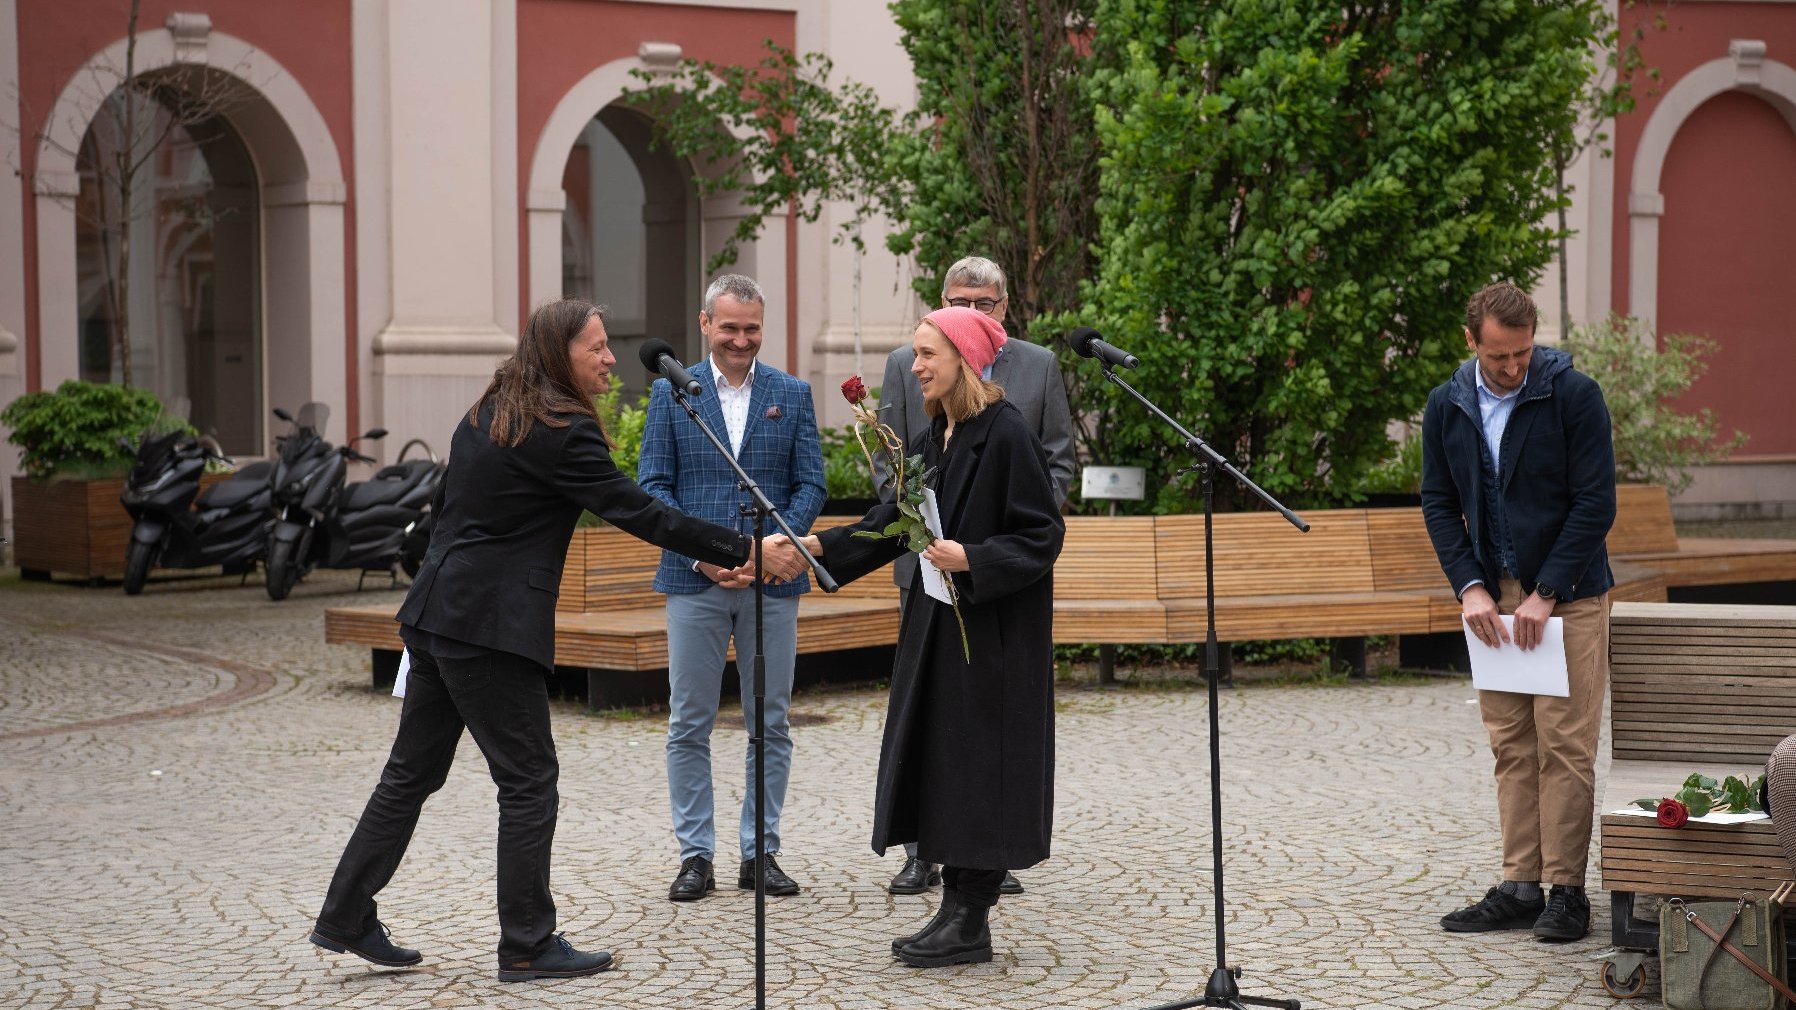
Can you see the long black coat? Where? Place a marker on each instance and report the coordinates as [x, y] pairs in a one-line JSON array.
[[967, 766]]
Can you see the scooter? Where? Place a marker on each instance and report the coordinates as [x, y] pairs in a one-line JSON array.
[[319, 522], [227, 525]]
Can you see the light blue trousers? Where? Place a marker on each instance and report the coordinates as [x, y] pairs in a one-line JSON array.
[[699, 628]]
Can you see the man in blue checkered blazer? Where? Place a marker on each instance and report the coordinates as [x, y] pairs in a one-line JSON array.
[[768, 420]]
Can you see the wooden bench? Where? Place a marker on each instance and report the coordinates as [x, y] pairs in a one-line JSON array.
[[1137, 580], [1693, 688]]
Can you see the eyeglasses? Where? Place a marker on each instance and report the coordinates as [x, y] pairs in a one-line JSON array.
[[985, 305]]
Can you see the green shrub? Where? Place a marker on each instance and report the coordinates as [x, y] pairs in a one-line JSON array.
[[1401, 472], [1655, 442], [845, 473], [74, 431]]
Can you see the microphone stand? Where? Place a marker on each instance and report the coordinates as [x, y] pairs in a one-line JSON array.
[[1221, 990], [761, 509]]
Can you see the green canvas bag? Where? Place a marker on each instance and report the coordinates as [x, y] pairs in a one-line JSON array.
[[1695, 973]]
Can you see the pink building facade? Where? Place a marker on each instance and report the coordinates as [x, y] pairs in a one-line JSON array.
[[391, 184]]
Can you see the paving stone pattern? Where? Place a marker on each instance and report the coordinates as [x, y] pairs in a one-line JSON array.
[[179, 772]]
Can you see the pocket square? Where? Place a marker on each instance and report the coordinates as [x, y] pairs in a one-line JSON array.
[[773, 413]]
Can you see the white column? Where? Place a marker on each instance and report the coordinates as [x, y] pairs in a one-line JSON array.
[[447, 132]]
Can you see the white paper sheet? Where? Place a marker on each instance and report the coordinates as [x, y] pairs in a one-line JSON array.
[[934, 582], [1712, 817], [1540, 670], [405, 666]]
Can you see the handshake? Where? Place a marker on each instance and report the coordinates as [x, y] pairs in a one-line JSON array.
[[779, 557]]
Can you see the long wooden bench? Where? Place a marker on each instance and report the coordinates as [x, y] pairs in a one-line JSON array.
[[1135, 580], [1693, 688]]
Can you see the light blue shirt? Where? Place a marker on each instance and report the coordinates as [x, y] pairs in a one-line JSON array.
[[986, 372], [1494, 409]]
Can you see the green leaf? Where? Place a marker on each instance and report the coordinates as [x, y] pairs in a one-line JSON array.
[[1647, 804]]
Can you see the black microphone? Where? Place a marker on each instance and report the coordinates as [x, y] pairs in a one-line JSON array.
[[658, 357], [1088, 344]]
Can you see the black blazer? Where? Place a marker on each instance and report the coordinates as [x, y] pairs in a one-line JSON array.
[[503, 521]]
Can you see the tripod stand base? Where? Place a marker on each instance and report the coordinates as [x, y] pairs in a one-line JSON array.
[[1221, 991]]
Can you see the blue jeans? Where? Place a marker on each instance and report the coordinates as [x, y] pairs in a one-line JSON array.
[[699, 627]]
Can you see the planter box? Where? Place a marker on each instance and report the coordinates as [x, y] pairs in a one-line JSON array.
[[76, 527]]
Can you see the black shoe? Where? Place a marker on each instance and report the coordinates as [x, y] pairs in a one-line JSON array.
[[1496, 911], [964, 937], [377, 947], [694, 882], [1011, 885], [1567, 915], [777, 881], [950, 899], [561, 960], [915, 878]]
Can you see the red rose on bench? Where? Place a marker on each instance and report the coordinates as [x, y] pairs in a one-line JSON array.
[[1673, 814]]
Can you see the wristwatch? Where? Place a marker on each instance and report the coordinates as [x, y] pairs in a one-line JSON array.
[[1545, 591]]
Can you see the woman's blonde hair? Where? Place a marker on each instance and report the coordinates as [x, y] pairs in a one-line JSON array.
[[969, 396]]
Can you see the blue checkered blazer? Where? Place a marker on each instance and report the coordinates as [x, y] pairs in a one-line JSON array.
[[780, 451]]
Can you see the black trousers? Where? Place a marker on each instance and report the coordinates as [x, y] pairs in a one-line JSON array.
[[503, 702], [977, 887]]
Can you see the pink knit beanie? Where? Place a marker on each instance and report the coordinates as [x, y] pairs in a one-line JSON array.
[[974, 334]]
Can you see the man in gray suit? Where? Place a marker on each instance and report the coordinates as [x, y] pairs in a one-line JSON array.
[[1031, 379]]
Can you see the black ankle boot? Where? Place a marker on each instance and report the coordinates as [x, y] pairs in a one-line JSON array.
[[962, 938], [950, 899]]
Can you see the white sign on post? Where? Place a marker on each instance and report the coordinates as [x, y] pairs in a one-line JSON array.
[[1126, 482]]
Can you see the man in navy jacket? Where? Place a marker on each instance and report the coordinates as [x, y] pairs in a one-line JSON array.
[[1518, 492], [768, 420]]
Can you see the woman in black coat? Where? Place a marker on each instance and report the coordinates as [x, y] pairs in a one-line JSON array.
[[966, 769], [479, 624]]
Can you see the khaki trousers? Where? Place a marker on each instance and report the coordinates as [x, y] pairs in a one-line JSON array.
[[1546, 751]]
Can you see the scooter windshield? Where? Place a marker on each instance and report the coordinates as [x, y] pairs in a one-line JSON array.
[[313, 415]]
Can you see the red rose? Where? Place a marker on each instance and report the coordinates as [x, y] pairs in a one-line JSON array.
[[1673, 814], [854, 389]]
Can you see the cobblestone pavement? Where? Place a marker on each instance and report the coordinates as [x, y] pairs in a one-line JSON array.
[[180, 770]]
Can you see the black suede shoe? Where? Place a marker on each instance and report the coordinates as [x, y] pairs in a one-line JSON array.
[[1496, 911], [915, 878], [1567, 915], [950, 900], [694, 882], [777, 881], [962, 938], [1011, 885], [377, 947], [560, 960]]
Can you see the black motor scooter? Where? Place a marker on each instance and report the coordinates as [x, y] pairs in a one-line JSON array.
[[227, 525], [321, 523]]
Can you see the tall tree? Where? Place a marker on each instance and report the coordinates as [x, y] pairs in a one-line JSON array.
[[1006, 161], [1298, 197]]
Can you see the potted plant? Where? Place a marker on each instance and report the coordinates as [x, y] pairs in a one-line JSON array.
[[66, 512]]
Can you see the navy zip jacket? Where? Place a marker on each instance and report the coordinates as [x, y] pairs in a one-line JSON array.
[[1558, 480]]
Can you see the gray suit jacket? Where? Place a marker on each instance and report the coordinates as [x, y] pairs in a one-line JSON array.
[[1030, 376]]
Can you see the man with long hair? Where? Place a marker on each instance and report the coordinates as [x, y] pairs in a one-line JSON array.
[[479, 625]]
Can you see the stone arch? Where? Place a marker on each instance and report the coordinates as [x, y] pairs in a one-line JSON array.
[[1745, 68], [544, 201], [299, 171]]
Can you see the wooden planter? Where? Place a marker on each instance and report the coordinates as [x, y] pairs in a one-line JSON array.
[[76, 527]]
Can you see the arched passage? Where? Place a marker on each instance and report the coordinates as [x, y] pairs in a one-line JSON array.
[[670, 297], [1710, 227], [299, 177]]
